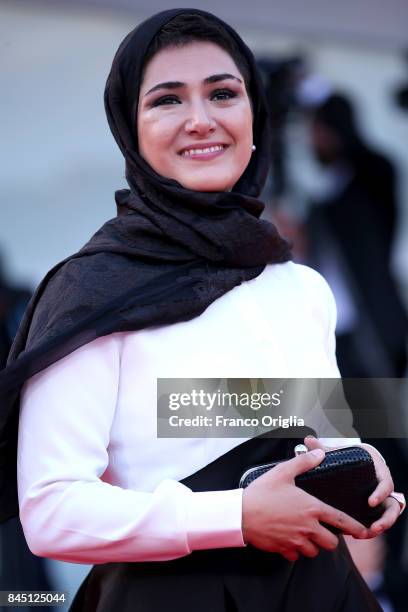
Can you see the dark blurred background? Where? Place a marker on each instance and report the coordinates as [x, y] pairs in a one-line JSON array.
[[336, 77]]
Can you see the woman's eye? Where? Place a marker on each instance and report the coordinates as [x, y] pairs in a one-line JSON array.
[[165, 100], [224, 94], [219, 94]]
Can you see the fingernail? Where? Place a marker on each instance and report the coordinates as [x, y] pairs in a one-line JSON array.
[[317, 452]]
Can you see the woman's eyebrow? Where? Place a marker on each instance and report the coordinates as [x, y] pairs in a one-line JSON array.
[[178, 84]]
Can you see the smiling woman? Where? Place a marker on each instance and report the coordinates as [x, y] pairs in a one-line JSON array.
[[186, 281], [197, 128]]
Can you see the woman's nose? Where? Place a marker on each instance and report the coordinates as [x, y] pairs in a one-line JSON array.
[[199, 120]]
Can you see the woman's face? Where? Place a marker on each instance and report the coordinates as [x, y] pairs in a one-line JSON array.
[[193, 98]]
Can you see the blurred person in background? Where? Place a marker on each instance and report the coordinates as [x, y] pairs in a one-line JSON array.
[[13, 302], [349, 234], [350, 231], [370, 556], [19, 568]]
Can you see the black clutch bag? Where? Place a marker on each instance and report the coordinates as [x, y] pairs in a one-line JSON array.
[[344, 479]]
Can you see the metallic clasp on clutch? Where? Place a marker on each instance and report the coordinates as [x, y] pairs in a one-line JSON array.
[[300, 449]]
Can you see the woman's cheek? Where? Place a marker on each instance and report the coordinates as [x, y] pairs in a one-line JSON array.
[[240, 124], [157, 139], [163, 129]]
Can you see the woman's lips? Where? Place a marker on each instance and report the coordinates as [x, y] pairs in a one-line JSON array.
[[203, 154]]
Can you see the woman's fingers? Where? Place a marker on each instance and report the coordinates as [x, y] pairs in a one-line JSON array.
[[311, 442], [390, 515], [385, 485], [290, 555], [325, 538], [308, 549], [341, 520], [298, 465], [311, 544]]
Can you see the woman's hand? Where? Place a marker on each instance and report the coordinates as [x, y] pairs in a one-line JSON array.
[[279, 517], [380, 494]]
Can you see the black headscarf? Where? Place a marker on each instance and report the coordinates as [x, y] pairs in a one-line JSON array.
[[166, 256]]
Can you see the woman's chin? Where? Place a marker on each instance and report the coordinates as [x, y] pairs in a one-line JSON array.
[[205, 185]]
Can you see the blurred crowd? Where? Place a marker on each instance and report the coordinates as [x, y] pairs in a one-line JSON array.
[[341, 211]]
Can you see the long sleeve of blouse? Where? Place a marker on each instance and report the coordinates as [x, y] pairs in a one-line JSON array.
[[67, 512], [95, 484]]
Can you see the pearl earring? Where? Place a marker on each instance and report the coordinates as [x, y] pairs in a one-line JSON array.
[[253, 147]]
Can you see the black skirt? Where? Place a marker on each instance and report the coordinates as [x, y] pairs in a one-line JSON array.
[[230, 579]]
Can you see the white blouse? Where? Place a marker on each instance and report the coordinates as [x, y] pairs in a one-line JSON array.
[[96, 485]]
